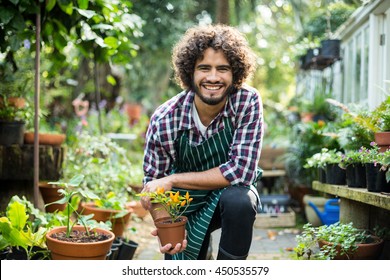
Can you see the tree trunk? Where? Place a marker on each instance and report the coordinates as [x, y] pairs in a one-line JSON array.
[[222, 15]]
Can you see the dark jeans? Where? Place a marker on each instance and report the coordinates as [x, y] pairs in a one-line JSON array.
[[235, 215]]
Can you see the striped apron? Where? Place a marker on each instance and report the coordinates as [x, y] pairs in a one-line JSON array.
[[209, 154]]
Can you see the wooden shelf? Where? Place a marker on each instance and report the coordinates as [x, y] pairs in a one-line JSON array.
[[364, 209], [356, 194]]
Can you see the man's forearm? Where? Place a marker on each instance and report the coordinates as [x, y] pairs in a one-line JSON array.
[[205, 180]]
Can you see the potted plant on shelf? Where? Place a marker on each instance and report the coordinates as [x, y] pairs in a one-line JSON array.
[[382, 135], [15, 83], [22, 231], [335, 175], [170, 229], [337, 241], [87, 241], [13, 117]]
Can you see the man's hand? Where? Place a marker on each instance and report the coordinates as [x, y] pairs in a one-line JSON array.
[[168, 249], [152, 186]]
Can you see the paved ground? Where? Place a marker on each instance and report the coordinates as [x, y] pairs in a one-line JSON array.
[[267, 244]]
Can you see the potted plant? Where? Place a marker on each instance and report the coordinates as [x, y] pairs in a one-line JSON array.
[[110, 208], [50, 193], [170, 229], [354, 164], [22, 231], [13, 117], [337, 241], [318, 161], [382, 135], [86, 241], [128, 247], [334, 173], [15, 111]]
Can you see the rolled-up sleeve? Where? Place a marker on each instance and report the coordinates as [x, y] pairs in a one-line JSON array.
[[247, 140]]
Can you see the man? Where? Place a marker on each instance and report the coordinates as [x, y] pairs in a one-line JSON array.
[[207, 140]]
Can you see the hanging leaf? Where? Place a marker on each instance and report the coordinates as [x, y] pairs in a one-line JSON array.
[[86, 13], [112, 42]]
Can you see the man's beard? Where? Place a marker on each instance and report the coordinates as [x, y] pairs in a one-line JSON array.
[[213, 100]]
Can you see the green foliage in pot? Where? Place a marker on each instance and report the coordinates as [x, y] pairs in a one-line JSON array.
[[344, 236], [103, 163], [24, 227], [113, 201], [69, 191], [11, 113], [382, 113], [319, 160]]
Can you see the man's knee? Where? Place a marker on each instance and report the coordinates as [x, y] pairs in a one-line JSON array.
[[238, 200]]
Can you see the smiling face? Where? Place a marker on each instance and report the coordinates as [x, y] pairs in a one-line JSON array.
[[213, 77]]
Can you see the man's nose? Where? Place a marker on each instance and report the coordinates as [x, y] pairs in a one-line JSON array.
[[213, 75]]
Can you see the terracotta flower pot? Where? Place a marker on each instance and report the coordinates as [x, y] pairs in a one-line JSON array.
[[50, 194], [169, 232], [62, 250], [383, 140], [369, 251], [17, 102], [102, 215], [51, 139]]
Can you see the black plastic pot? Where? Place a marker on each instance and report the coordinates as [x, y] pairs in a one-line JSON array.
[[11, 133], [372, 172], [330, 48], [127, 250], [321, 175], [356, 176], [335, 175], [376, 179]]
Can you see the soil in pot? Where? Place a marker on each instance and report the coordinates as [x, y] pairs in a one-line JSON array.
[[169, 232], [79, 246]]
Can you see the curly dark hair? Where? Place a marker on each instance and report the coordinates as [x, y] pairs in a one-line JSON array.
[[219, 37]]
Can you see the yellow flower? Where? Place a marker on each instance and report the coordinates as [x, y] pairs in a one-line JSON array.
[[160, 190], [176, 197], [170, 201], [188, 197]]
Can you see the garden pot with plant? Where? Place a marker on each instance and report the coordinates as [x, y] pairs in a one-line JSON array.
[[49, 193], [87, 241], [51, 139], [22, 231], [170, 229], [13, 117], [111, 208], [337, 241]]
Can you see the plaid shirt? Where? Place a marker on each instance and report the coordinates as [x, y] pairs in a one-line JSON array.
[[244, 108]]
